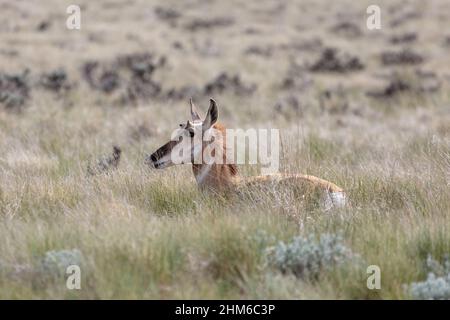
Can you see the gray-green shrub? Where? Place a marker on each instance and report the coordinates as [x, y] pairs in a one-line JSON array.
[[307, 257], [437, 284]]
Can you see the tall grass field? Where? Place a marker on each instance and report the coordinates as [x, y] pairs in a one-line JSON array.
[[378, 127]]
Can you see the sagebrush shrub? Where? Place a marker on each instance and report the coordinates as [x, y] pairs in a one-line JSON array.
[[437, 284], [308, 257], [55, 263]]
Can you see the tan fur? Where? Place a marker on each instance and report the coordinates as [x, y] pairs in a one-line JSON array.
[[225, 176], [218, 176]]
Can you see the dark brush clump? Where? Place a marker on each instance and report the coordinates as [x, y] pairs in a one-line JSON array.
[[43, 26], [130, 73], [209, 23], [141, 65], [402, 57], [347, 29], [14, 90], [313, 44], [403, 38], [106, 163], [105, 80], [224, 82], [56, 81], [167, 14], [394, 87], [332, 61], [268, 51], [420, 83], [141, 84], [132, 76], [263, 51]]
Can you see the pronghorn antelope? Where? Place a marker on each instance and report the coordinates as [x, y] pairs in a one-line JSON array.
[[222, 175]]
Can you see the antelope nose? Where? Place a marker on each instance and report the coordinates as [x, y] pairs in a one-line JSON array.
[[150, 160]]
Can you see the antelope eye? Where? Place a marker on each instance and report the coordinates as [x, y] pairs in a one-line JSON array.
[[191, 133], [181, 125]]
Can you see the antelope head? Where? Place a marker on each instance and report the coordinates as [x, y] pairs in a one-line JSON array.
[[186, 143]]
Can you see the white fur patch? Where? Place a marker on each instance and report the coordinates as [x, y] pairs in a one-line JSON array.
[[203, 173], [335, 200]]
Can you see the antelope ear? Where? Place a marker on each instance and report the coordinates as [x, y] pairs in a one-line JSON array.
[[194, 112], [211, 116]]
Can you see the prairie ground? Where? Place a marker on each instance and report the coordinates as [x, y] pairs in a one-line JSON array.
[[366, 109]]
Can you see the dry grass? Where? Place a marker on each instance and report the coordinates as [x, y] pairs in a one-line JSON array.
[[152, 234]]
